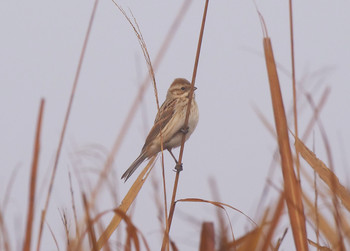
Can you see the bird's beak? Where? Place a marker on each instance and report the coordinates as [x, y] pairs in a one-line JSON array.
[[194, 88]]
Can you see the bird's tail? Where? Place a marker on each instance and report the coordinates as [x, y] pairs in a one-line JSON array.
[[133, 167]]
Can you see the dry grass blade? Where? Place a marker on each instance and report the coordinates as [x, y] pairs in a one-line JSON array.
[[4, 234], [73, 206], [292, 188], [280, 240], [142, 43], [53, 237], [65, 225], [317, 110], [207, 240], [125, 204], [291, 29], [173, 246], [324, 226], [253, 239], [219, 205], [165, 244], [90, 226], [337, 213], [274, 223], [222, 232], [132, 230], [320, 248], [31, 200], [247, 242], [325, 173], [65, 123], [264, 121]]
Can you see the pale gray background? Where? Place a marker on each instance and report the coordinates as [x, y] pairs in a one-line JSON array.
[[39, 50]]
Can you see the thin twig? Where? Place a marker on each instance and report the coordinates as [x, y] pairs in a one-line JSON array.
[[73, 206], [172, 205], [35, 163], [291, 28]]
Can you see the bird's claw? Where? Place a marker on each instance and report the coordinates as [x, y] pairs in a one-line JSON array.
[[184, 130], [178, 167]]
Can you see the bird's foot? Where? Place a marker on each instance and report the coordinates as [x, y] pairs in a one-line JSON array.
[[178, 168], [184, 130]]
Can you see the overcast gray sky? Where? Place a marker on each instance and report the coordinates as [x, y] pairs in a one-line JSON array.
[[39, 50]]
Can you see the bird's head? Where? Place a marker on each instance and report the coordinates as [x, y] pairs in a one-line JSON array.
[[180, 88]]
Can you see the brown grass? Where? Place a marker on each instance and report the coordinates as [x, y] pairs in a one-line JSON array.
[[267, 232], [33, 177], [292, 190]]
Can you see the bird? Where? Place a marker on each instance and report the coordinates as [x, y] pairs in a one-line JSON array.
[[169, 124]]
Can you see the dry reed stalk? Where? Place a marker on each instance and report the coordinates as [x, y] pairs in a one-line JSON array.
[[90, 226], [65, 123], [53, 237], [317, 111], [3, 228], [207, 240], [257, 239], [65, 225], [4, 235], [316, 209], [132, 231], [291, 29], [249, 241], [173, 246], [318, 246], [274, 223], [223, 240], [337, 213], [77, 232], [33, 176], [165, 244], [333, 183], [292, 189], [324, 173], [265, 121], [125, 204], [280, 240], [137, 101], [158, 202], [328, 231], [239, 242], [221, 206]]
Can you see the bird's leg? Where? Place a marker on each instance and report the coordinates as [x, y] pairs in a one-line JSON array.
[[184, 130], [178, 166]]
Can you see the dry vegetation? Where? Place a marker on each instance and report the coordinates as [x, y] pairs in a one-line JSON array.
[[329, 226]]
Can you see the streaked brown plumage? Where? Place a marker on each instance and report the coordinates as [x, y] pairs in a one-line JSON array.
[[170, 121]]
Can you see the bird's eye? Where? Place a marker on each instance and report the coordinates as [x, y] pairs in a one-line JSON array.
[[183, 88]]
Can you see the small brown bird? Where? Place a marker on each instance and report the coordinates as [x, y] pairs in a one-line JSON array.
[[169, 123]]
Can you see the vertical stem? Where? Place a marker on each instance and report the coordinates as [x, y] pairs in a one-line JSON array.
[[207, 241], [31, 200], [165, 243], [291, 29]]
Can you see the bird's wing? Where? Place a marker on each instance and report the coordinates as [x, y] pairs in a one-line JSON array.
[[163, 117]]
